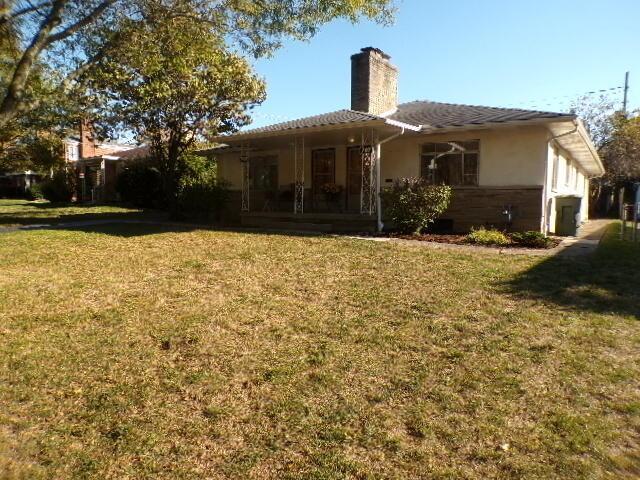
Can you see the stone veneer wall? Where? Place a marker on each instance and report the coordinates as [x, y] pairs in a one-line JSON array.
[[483, 206]]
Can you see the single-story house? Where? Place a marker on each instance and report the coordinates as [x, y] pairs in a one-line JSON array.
[[520, 169]]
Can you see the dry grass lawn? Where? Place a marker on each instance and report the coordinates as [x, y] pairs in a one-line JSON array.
[[133, 351]]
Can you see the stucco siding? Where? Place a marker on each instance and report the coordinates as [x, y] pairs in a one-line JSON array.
[[564, 179]]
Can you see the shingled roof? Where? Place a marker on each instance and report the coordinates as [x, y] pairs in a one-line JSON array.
[[331, 118], [441, 115], [418, 114]]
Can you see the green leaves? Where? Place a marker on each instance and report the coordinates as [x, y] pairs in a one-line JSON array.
[[412, 204]]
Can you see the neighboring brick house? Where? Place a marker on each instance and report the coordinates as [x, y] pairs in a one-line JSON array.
[[522, 168], [98, 164]]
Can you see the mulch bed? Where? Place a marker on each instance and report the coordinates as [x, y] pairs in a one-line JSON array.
[[457, 239]]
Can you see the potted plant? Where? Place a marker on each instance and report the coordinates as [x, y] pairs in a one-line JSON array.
[[332, 192]]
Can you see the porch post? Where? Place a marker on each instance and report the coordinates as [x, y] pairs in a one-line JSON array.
[[244, 166], [369, 184], [298, 176]]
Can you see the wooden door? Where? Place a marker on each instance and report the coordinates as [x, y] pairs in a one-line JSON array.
[[323, 170]]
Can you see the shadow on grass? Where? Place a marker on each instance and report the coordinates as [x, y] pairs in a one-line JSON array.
[[132, 228], [606, 282], [45, 213]]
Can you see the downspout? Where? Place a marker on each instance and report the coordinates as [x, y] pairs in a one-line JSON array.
[[378, 181]]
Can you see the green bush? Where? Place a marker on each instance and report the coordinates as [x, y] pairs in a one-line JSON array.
[[412, 204], [483, 236], [60, 187], [204, 200], [34, 192], [531, 239], [140, 184]]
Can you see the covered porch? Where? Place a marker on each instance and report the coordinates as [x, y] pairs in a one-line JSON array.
[[324, 178]]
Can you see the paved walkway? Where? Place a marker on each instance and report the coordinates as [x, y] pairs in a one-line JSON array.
[[587, 240]]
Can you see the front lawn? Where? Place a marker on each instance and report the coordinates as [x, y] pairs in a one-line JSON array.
[[132, 351]]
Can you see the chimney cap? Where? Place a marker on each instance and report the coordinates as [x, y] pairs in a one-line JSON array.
[[375, 50]]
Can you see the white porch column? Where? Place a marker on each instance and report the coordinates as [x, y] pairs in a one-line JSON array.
[[378, 191]]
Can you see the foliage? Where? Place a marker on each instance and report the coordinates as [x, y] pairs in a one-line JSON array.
[[331, 191], [597, 114], [60, 187], [203, 200], [26, 149], [616, 136], [34, 192], [183, 86], [412, 204], [482, 236], [621, 153], [201, 193], [139, 184], [532, 239], [74, 35]]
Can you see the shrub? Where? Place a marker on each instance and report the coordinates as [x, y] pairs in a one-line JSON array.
[[203, 199], [60, 187], [412, 204], [531, 239], [140, 185], [34, 192], [483, 236]]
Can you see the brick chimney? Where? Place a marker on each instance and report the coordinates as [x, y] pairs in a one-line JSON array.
[[374, 82], [87, 140]]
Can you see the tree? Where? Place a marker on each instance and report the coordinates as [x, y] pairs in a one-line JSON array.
[[74, 35], [616, 137], [174, 83]]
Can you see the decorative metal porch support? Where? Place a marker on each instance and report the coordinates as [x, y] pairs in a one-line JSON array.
[[244, 166], [298, 165], [369, 188]]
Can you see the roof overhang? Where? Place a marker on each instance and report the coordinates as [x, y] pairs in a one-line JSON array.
[[573, 137], [241, 137]]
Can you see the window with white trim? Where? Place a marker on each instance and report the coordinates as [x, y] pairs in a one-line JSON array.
[[452, 163], [567, 172]]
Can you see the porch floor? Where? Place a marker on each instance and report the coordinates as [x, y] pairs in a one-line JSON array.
[[318, 222]]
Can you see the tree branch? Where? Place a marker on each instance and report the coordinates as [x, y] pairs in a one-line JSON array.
[[79, 25]]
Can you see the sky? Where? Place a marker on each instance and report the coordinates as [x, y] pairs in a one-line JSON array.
[[537, 54]]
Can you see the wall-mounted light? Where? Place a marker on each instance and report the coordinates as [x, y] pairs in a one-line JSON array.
[[351, 139]]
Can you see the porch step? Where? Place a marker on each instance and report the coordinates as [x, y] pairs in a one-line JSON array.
[[309, 222]]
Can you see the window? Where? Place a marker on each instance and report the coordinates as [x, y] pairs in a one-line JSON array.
[[576, 179], [567, 172], [263, 173], [450, 163], [556, 165]]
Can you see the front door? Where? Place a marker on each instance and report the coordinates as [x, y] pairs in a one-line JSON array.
[[323, 171], [354, 179]]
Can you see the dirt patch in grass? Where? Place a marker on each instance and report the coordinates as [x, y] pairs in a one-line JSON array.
[[132, 351]]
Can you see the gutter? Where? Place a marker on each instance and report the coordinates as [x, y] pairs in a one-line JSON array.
[[380, 225]]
